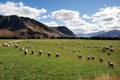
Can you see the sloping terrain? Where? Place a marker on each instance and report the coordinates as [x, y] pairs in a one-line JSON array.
[[25, 27]]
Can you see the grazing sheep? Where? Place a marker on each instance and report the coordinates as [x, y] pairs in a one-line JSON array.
[[101, 59], [92, 57], [40, 52], [109, 53], [57, 54], [79, 56], [26, 52], [73, 50], [104, 50], [49, 54], [21, 49], [33, 52], [111, 64], [10, 43], [16, 45], [88, 58], [6, 44], [61, 46], [111, 50]]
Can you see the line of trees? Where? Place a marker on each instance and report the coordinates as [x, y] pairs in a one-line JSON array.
[[53, 37]]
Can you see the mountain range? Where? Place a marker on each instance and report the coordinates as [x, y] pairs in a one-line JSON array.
[[111, 33], [25, 27]]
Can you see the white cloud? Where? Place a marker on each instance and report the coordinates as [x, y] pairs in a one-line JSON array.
[[73, 21], [51, 24], [86, 16], [11, 8], [65, 15], [104, 20], [108, 18], [44, 17]]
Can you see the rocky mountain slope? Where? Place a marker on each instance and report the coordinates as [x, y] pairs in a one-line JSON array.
[[25, 27]]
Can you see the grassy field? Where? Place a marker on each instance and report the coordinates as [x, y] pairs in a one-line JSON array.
[[14, 65]]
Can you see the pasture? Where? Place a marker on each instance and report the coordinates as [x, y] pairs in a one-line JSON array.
[[14, 65]]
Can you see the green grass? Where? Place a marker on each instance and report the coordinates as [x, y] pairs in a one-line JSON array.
[[14, 65]]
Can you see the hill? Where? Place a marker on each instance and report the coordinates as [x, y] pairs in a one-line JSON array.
[[112, 33], [90, 34], [25, 27], [63, 30]]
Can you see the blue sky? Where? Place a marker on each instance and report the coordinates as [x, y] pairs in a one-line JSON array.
[[81, 16]]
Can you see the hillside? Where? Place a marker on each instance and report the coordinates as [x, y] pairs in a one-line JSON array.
[[112, 33], [63, 30], [25, 27], [90, 34]]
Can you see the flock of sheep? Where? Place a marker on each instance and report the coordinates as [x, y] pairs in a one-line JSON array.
[[107, 49]]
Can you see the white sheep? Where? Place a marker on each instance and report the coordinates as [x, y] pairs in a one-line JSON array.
[[33, 52], [21, 49], [25, 52], [92, 57], [74, 50], [16, 45], [49, 54], [101, 59], [40, 52], [109, 53], [79, 56], [88, 57], [57, 54], [111, 64]]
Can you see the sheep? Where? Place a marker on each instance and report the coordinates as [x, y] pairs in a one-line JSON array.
[[104, 50], [6, 44], [25, 52], [74, 50], [61, 46], [109, 53], [92, 57], [40, 52], [88, 57], [21, 49], [57, 54], [101, 59], [33, 52], [111, 50], [10, 43], [79, 56], [111, 64], [16, 45], [49, 54]]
